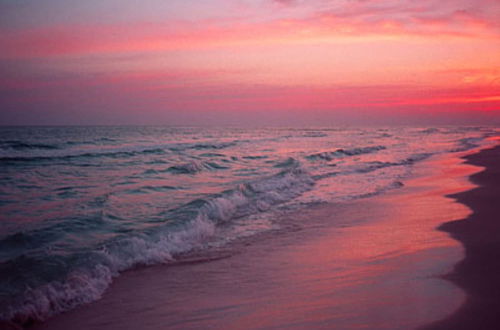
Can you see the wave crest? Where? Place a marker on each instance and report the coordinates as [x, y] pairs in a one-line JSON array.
[[330, 155], [190, 227]]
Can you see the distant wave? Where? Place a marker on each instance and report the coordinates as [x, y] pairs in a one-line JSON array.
[[203, 146], [314, 134], [211, 154], [20, 145], [330, 155], [122, 152], [195, 167], [221, 145], [430, 130], [289, 162], [148, 189], [97, 141], [255, 157]]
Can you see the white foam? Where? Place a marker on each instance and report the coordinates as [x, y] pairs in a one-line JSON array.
[[85, 285]]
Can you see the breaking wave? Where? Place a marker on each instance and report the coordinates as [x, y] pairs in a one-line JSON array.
[[81, 277], [124, 197]]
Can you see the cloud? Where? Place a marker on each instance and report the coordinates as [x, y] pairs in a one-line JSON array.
[[147, 37], [307, 21], [281, 55]]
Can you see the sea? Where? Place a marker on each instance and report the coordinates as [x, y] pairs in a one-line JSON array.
[[81, 205]]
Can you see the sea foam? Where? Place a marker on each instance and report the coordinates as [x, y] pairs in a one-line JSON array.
[[193, 224]]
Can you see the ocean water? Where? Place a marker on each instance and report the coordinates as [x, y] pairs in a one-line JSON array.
[[80, 205]]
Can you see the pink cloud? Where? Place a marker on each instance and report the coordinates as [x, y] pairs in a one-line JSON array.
[[363, 60], [146, 37]]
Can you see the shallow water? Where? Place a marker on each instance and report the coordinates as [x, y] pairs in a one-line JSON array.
[[79, 205], [365, 264]]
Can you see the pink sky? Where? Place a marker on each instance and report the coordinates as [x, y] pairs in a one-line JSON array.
[[249, 62]]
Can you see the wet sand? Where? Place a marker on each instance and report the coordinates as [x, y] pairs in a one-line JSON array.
[[375, 263], [479, 273]]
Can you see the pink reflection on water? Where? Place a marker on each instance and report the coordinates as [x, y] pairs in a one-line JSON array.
[[372, 263], [380, 270]]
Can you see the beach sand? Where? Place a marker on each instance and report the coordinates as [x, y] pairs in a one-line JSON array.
[[479, 273], [374, 263]]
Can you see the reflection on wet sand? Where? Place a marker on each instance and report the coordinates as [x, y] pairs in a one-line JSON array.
[[373, 263]]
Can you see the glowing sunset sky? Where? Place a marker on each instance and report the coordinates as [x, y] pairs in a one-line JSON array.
[[248, 61]]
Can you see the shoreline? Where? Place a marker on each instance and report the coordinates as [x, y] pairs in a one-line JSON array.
[[373, 261], [479, 233]]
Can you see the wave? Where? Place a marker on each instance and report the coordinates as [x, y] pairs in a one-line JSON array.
[[289, 162], [380, 190], [255, 157], [414, 158], [195, 167], [221, 145], [431, 130], [330, 155], [203, 146], [96, 141], [374, 165], [468, 143], [79, 278], [72, 155], [19, 145], [314, 134], [211, 154], [149, 189]]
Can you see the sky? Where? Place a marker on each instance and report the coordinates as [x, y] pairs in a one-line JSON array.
[[249, 62]]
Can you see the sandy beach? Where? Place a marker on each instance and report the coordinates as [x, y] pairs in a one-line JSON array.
[[478, 273], [373, 263]]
